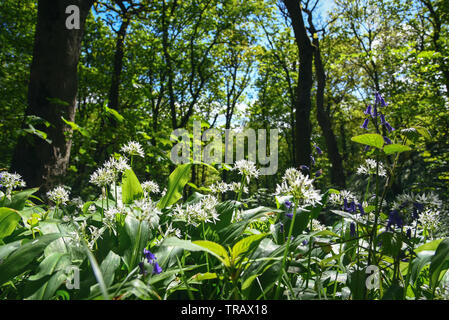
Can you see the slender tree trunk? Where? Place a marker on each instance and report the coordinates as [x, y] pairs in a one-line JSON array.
[[305, 82], [52, 93], [114, 91]]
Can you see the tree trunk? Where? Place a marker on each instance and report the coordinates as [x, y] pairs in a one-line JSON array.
[[52, 93], [303, 102], [337, 173]]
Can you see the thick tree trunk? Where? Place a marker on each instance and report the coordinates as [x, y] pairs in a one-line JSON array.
[[52, 93], [305, 82]]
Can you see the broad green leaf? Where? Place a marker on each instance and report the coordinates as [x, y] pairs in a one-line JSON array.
[[176, 182], [18, 199], [76, 127], [138, 233], [396, 148], [114, 114], [97, 272], [215, 249], [131, 188], [370, 139], [432, 245], [245, 245], [18, 261], [9, 218], [247, 283], [439, 263], [205, 276], [108, 267]]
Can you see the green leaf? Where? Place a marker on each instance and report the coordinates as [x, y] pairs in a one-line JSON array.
[[114, 114], [138, 233], [439, 261], [108, 267], [18, 199], [204, 276], [396, 148], [76, 127], [245, 245], [370, 139], [429, 246], [176, 182], [9, 218], [97, 272], [18, 261], [131, 188], [216, 250]]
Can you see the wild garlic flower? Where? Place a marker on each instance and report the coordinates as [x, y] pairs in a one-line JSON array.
[[412, 204], [338, 199], [117, 165], [430, 219], [58, 195], [370, 168], [102, 177], [222, 187], [95, 234], [198, 212], [299, 186], [146, 210], [11, 181], [150, 187], [133, 148], [317, 226], [247, 169]]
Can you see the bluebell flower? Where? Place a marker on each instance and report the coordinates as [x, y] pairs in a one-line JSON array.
[[281, 227], [305, 242], [349, 207], [303, 167], [368, 110], [366, 149], [409, 233], [157, 268], [380, 100], [382, 119], [288, 204], [365, 124], [362, 211], [289, 215], [142, 268], [394, 219], [417, 209], [151, 258], [388, 126], [318, 150], [318, 173], [352, 229], [312, 159], [387, 140], [374, 114]]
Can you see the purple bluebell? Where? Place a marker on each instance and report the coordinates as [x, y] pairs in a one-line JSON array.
[[157, 268], [352, 229], [365, 124], [349, 207], [409, 233], [288, 204], [366, 149], [417, 209], [387, 140], [281, 227], [368, 110], [374, 114], [318, 150], [312, 159], [151, 258], [389, 127], [289, 215], [303, 167], [380, 100], [362, 211], [318, 173], [305, 242], [142, 268], [394, 219], [382, 119]]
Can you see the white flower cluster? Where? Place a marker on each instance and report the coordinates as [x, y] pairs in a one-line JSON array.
[[338, 199], [299, 186], [222, 187], [370, 167], [133, 148], [247, 168], [58, 195], [430, 219], [146, 210], [150, 187], [11, 181], [110, 171], [198, 212], [427, 199], [317, 226], [117, 165], [169, 233]]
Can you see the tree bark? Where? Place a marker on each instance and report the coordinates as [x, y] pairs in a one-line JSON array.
[[52, 93], [305, 82]]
